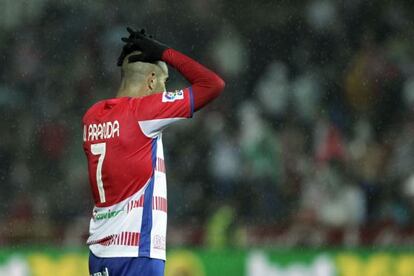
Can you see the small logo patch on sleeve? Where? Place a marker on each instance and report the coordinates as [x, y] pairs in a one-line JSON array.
[[172, 96]]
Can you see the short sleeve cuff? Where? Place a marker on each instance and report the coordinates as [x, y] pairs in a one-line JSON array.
[[190, 92]]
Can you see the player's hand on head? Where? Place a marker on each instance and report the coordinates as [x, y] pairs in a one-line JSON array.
[[151, 49], [126, 50], [130, 47]]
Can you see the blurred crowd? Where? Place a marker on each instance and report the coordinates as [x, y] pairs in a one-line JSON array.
[[310, 144]]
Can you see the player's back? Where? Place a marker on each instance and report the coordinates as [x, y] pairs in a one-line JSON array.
[[118, 153]]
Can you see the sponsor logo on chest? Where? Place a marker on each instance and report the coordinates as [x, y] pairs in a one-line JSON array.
[[106, 215]]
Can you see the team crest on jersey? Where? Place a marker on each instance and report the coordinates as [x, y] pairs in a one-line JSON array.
[[172, 96], [159, 242]]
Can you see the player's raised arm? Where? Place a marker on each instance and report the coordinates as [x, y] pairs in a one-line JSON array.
[[205, 84]]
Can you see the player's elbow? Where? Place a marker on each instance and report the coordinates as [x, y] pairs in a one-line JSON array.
[[218, 85]]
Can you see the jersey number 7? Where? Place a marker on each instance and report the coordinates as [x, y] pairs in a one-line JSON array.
[[99, 149]]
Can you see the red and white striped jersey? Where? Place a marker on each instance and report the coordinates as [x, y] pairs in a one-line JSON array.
[[122, 140]]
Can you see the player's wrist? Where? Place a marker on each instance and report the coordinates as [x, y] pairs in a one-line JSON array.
[[166, 54], [159, 51]]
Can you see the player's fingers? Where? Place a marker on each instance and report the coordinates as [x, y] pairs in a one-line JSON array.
[[121, 58], [130, 31]]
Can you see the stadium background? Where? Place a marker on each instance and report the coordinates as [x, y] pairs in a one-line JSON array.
[[304, 166]]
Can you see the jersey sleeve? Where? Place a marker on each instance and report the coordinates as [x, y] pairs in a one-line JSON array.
[[155, 112]]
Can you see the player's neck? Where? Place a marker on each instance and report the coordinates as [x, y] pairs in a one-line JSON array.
[[131, 91]]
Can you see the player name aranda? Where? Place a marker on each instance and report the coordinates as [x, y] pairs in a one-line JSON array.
[[105, 130]]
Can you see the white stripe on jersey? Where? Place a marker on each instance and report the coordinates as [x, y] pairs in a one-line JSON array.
[[152, 128]]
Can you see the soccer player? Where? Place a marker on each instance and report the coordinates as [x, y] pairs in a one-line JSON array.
[[122, 140]]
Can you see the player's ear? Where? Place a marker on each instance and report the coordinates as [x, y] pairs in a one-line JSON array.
[[152, 81]]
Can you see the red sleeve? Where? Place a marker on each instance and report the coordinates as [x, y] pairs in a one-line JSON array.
[[205, 84], [166, 105], [157, 111]]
